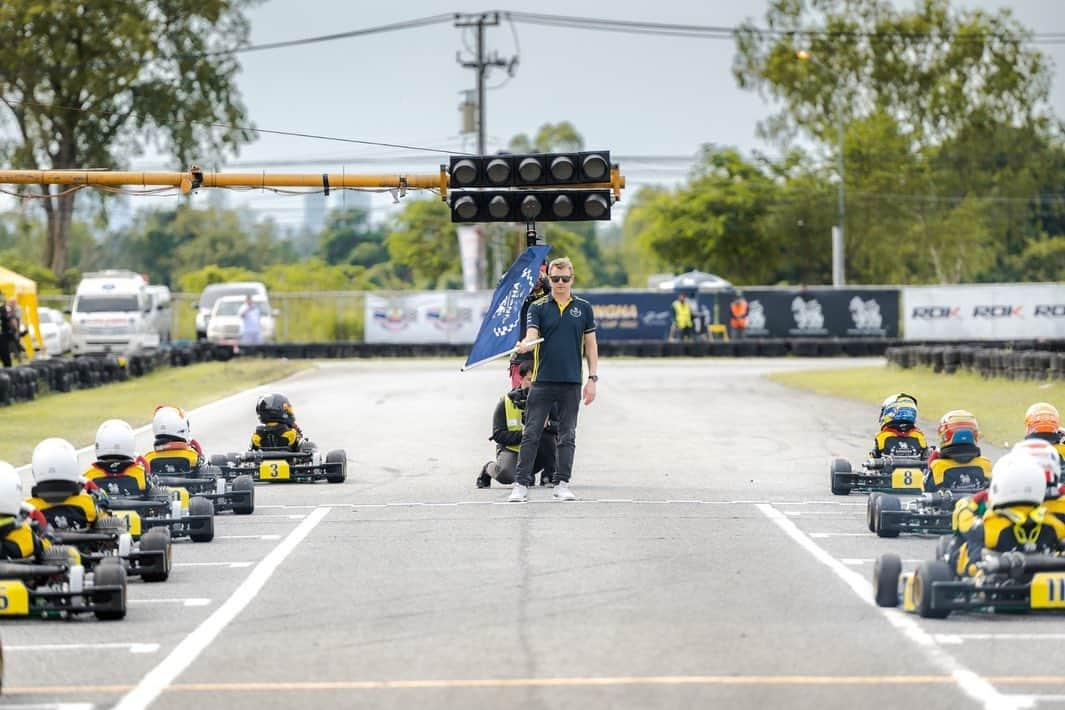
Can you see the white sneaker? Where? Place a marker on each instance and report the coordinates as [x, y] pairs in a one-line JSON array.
[[519, 494], [562, 491]]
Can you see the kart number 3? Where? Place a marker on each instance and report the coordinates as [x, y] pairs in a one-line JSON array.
[[274, 470]]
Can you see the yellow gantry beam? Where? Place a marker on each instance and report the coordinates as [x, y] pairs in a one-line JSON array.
[[196, 178]]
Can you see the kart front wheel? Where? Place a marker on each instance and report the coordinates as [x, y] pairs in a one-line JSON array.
[[886, 572], [157, 540], [870, 511], [199, 505], [337, 466], [111, 573], [244, 505], [885, 527], [943, 546], [839, 473]]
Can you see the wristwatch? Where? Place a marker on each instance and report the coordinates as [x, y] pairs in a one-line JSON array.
[[593, 378]]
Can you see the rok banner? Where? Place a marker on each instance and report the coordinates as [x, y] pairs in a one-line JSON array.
[[434, 317], [631, 315], [822, 313], [984, 312]]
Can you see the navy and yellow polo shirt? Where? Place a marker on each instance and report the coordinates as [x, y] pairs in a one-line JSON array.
[[559, 358]]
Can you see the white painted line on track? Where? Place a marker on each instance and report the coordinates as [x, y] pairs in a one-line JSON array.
[[231, 565], [627, 501], [51, 706], [264, 516], [183, 601], [955, 639], [799, 513], [247, 537], [968, 681], [50, 647], [201, 637]]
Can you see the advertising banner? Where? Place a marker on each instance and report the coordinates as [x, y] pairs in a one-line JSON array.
[[631, 315], [822, 313], [984, 312], [426, 317]]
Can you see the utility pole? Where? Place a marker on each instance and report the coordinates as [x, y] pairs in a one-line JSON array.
[[482, 64]]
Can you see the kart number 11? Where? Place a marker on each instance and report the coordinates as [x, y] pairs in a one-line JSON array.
[[1048, 591]]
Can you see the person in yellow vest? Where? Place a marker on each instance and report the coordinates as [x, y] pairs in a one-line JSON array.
[[508, 422], [18, 539], [65, 499], [738, 310], [683, 326], [1042, 421], [117, 469], [1016, 519]]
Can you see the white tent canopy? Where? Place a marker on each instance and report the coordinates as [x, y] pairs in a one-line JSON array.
[[696, 281]]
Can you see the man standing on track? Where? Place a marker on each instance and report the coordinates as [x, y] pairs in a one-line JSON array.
[[567, 325]]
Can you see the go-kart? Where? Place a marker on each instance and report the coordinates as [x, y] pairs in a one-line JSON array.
[[59, 587], [896, 474], [236, 494], [170, 508], [928, 514], [283, 465], [108, 539], [1010, 581]]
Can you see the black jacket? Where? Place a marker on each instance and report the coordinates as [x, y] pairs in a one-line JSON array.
[[501, 433]]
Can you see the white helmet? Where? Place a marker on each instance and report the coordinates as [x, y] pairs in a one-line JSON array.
[[1047, 456], [10, 490], [1017, 478], [171, 421], [115, 438], [55, 460]]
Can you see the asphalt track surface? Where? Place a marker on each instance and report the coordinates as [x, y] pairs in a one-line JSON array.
[[705, 563]]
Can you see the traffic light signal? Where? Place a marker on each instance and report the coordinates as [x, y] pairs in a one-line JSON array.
[[588, 167], [529, 205]]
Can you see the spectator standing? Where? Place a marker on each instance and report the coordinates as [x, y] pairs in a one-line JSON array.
[[250, 315]]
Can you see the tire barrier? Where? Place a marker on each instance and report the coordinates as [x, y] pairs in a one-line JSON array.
[[1014, 361], [23, 383]]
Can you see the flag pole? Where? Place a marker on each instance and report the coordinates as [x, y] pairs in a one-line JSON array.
[[497, 356]]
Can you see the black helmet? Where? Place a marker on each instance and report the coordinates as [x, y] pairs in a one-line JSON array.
[[275, 408]]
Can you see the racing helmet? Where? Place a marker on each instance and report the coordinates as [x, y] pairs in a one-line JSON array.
[[275, 408], [899, 408], [1016, 479], [958, 427], [114, 439], [171, 421], [1041, 417], [55, 460], [10, 490], [1047, 456]]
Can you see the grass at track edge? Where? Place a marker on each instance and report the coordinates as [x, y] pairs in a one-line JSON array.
[[76, 415], [999, 404]]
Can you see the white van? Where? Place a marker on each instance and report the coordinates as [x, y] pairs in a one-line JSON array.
[[112, 313], [256, 289]]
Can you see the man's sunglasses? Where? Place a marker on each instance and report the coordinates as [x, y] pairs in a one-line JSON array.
[[563, 279]]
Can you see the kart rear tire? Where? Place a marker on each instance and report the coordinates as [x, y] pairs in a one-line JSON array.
[[943, 546], [337, 456], [839, 486], [198, 505], [107, 573], [155, 540], [886, 503], [886, 572], [110, 524], [870, 511], [241, 484], [928, 573], [218, 460]]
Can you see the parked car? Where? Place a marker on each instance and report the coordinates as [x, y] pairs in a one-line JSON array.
[[226, 323], [161, 316], [56, 332], [212, 293]]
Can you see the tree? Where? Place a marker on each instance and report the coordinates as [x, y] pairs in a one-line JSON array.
[[349, 238], [424, 241], [550, 137], [89, 83], [716, 222]]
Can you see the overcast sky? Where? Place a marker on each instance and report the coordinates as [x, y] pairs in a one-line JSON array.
[[635, 95]]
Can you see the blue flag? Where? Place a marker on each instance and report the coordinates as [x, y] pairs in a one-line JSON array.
[[501, 326]]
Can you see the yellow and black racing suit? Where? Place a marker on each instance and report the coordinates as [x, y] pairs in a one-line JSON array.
[[18, 541], [173, 458], [899, 442], [119, 477], [72, 509], [1026, 528], [277, 435], [957, 466]]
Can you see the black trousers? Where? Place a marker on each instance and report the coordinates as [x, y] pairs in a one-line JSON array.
[[506, 463], [542, 396], [5, 349]]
